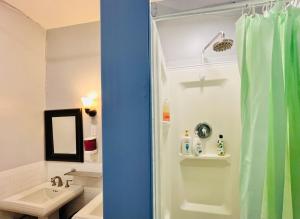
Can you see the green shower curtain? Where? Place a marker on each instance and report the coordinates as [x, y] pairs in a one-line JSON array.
[[269, 57]]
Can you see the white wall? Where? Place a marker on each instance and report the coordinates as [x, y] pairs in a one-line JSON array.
[[197, 188], [22, 79], [205, 188], [184, 38], [73, 70]]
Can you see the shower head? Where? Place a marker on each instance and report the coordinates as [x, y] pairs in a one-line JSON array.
[[223, 45], [220, 46]]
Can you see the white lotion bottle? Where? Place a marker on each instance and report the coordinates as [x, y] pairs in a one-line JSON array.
[[186, 144], [197, 146]]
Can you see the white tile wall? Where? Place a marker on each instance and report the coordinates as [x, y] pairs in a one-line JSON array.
[[21, 178]]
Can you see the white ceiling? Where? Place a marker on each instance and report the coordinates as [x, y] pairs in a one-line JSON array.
[[59, 13]]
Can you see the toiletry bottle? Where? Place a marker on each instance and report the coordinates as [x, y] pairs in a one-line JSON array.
[[186, 144], [166, 111], [197, 146], [220, 146]]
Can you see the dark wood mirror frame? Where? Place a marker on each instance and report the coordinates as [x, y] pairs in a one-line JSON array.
[[49, 146]]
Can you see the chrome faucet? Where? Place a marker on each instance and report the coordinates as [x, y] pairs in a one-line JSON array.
[[67, 183], [53, 181]]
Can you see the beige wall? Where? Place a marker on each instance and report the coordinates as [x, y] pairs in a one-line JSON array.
[[73, 56], [22, 79], [73, 70]]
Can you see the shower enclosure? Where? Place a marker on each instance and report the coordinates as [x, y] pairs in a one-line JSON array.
[[199, 86]]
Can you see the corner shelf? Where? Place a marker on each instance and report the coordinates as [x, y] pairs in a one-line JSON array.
[[208, 209], [166, 123], [215, 157]]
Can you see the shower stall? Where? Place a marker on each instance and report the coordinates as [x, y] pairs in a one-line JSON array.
[[196, 78], [226, 106]]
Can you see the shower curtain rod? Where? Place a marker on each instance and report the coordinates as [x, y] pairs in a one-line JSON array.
[[216, 9]]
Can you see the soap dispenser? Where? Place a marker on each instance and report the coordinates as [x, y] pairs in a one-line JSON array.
[[186, 144], [197, 146], [220, 146]]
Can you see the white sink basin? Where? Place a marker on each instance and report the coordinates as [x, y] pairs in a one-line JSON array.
[[40, 201], [42, 196], [93, 210]]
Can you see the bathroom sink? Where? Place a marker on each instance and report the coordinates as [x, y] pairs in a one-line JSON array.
[[42, 196], [93, 210], [40, 201]]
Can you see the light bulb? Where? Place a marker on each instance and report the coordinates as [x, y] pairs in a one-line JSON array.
[[87, 102]]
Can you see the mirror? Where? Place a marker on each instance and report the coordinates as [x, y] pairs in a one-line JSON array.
[[64, 135]]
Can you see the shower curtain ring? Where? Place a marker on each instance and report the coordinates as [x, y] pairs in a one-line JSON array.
[[264, 9], [253, 12], [249, 9]]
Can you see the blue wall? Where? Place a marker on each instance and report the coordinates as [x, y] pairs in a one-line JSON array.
[[126, 109]]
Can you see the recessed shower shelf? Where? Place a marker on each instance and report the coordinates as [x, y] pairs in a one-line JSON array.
[[216, 157]]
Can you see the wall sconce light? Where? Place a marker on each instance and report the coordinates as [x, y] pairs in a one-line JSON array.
[[90, 103]]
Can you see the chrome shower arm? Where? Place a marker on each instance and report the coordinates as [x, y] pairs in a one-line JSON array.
[[220, 34]]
